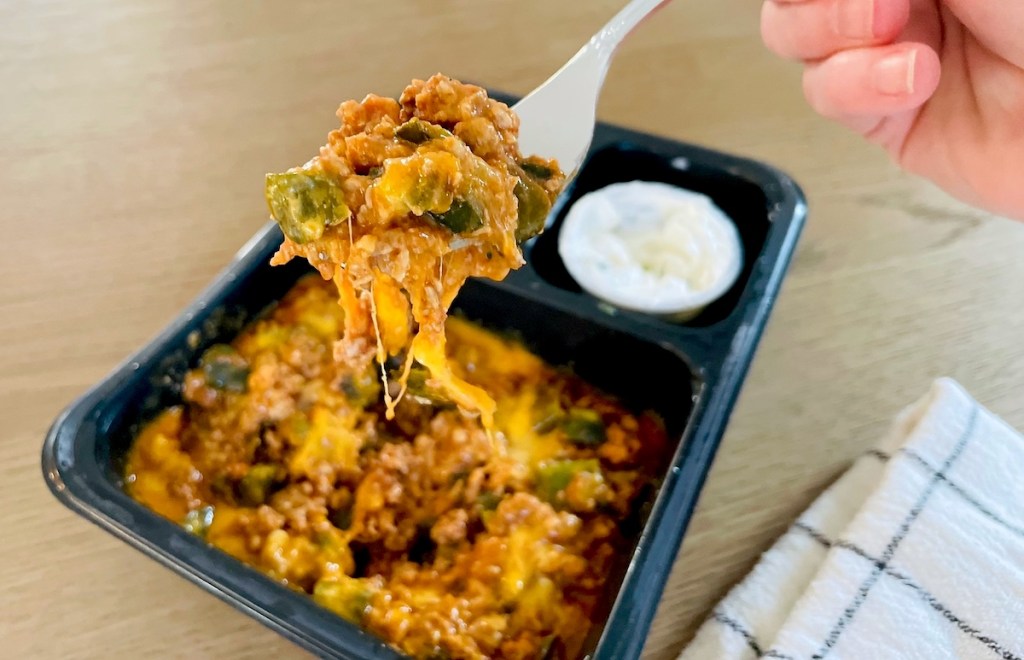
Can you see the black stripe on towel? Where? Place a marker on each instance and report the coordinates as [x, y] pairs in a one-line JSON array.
[[901, 533], [736, 626], [879, 454], [813, 533], [933, 602], [985, 511]]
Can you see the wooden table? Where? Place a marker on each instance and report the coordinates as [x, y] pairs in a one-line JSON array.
[[133, 140]]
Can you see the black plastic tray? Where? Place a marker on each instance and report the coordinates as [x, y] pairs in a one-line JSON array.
[[689, 373]]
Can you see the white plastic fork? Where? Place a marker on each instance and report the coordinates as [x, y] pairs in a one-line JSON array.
[[557, 119]]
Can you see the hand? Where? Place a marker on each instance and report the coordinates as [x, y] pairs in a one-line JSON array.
[[938, 83]]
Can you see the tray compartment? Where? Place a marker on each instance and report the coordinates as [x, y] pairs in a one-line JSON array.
[[742, 200]]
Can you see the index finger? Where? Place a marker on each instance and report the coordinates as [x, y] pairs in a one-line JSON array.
[[816, 29]]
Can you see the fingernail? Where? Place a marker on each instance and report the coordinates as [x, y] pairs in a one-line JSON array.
[[894, 75], [855, 19]]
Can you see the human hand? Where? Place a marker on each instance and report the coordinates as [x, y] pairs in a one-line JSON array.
[[938, 83]]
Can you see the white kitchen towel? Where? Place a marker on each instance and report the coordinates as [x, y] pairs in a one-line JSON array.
[[917, 551]]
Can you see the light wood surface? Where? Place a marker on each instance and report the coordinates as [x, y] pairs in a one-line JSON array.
[[133, 140]]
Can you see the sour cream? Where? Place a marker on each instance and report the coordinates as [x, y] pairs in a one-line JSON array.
[[651, 247]]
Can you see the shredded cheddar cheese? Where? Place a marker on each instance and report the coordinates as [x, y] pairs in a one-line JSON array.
[[413, 528]]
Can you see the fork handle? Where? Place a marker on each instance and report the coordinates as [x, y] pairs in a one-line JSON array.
[[608, 38]]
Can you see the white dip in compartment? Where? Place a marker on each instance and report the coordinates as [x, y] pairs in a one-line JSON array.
[[651, 247]]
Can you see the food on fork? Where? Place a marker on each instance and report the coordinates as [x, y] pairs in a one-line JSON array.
[[407, 200]]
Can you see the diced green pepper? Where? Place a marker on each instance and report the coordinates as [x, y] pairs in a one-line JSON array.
[[461, 218], [255, 487], [330, 539], [428, 194], [222, 487], [537, 170], [584, 427], [198, 521], [347, 597], [305, 203], [341, 518], [534, 207], [361, 389], [418, 131], [555, 476], [224, 369], [546, 425], [549, 648], [418, 387], [489, 501], [548, 412]]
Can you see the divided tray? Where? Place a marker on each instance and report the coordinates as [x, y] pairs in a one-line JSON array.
[[689, 373]]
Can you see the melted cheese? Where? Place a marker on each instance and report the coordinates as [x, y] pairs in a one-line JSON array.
[[403, 205]]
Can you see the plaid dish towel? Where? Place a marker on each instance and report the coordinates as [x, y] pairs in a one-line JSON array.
[[916, 552]]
